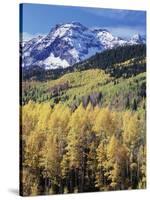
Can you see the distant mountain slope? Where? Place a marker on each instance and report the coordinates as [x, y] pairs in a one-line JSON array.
[[67, 44], [113, 61]]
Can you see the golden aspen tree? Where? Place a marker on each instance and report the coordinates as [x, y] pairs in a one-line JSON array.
[[77, 149], [106, 123], [101, 181], [116, 165], [132, 137], [54, 147], [142, 167]]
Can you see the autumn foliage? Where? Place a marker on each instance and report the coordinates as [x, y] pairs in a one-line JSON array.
[[88, 149]]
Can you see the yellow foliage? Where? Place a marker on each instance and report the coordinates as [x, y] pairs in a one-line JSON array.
[[132, 127], [97, 145], [106, 123]]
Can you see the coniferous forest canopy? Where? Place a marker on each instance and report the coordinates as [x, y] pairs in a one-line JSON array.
[[83, 128]]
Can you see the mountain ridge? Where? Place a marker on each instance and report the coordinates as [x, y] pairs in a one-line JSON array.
[[70, 43]]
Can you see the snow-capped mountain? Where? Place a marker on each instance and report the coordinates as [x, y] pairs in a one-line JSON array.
[[136, 39], [67, 44], [107, 39]]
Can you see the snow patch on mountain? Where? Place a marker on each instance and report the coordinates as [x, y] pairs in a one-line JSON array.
[[53, 62]]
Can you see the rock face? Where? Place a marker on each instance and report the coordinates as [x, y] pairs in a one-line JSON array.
[[67, 44]]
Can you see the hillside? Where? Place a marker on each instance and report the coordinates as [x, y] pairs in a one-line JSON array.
[[85, 125], [118, 82]]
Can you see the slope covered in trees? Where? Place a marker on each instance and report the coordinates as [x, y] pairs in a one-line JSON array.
[[94, 86], [90, 149], [83, 128]]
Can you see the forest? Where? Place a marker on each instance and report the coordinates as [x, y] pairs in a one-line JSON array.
[[90, 149], [84, 130]]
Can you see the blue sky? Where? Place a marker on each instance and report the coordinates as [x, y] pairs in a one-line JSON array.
[[38, 19]]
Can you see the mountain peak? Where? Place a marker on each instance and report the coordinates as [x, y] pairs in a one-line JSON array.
[[69, 43], [64, 29], [137, 38], [69, 25]]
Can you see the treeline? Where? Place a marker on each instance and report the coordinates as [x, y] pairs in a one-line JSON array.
[[90, 149], [107, 60], [100, 60], [40, 74], [115, 55]]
